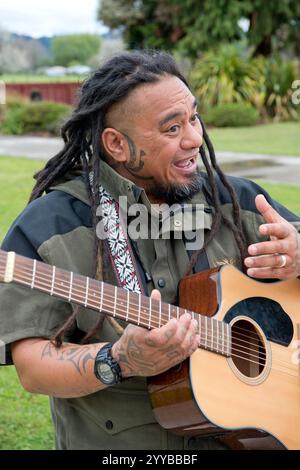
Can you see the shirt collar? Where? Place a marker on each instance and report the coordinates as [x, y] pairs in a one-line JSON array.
[[118, 185]]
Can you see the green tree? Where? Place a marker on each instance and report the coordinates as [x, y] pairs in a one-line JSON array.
[[151, 23], [75, 48], [273, 25], [193, 26]]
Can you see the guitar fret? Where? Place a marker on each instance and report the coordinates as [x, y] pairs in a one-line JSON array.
[[53, 279], [33, 274], [86, 292], [127, 308], [159, 318], [71, 286], [217, 336], [212, 336], [139, 317], [205, 342], [140, 304], [101, 297], [150, 312], [115, 304], [169, 311], [177, 312]]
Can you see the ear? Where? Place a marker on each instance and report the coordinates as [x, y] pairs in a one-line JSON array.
[[114, 144]]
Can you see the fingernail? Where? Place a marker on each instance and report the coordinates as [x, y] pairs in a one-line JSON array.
[[263, 229], [252, 250], [249, 262], [251, 272]]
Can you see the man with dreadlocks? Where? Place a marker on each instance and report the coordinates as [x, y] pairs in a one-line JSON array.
[[136, 133]]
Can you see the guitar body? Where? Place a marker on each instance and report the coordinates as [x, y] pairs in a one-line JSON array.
[[251, 400]]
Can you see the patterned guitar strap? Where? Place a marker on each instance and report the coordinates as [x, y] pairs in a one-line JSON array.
[[119, 250]]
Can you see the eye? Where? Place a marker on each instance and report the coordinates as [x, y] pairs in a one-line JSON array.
[[195, 117], [173, 129]]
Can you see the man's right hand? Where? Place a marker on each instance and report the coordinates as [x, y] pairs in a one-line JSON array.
[[150, 352]]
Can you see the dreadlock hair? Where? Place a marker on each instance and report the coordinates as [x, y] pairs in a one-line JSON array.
[[81, 133], [212, 166]]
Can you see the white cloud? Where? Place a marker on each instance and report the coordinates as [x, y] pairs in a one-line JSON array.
[[49, 17]]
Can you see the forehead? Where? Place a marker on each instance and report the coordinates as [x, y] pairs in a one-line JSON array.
[[158, 99]]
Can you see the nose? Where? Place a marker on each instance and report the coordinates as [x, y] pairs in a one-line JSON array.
[[193, 136]]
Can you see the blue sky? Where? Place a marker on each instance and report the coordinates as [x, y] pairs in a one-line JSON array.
[[48, 17]]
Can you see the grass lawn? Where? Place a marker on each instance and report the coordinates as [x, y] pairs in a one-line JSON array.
[[24, 418], [24, 78], [25, 421], [275, 139], [287, 194], [16, 183]]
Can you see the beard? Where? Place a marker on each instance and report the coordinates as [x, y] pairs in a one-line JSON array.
[[176, 193]]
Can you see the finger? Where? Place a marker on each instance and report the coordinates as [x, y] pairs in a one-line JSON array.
[[160, 336], [189, 341], [155, 294], [185, 324], [271, 273], [266, 210], [267, 261], [277, 230], [269, 247]]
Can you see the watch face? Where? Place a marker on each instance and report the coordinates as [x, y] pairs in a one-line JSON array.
[[105, 373]]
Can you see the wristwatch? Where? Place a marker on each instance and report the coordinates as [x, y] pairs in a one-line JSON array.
[[106, 368]]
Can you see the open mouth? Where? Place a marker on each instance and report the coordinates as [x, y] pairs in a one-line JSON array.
[[186, 165]]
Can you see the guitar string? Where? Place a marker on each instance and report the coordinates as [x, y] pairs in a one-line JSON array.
[[219, 338], [234, 350], [45, 275], [262, 364], [133, 304], [49, 276]]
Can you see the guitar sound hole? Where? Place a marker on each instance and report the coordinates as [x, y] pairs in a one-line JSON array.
[[248, 350]]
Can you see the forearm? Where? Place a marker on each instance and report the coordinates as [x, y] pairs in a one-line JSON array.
[[67, 372]]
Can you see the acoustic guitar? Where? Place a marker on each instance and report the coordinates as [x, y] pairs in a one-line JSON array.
[[242, 384]]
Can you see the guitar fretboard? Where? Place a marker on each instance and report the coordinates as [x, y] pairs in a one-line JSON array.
[[114, 301]]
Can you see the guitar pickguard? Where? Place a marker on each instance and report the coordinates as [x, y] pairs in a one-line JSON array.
[[270, 316]]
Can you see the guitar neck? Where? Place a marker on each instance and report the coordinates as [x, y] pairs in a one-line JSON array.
[[114, 301]]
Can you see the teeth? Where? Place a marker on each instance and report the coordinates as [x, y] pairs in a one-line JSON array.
[[184, 163]]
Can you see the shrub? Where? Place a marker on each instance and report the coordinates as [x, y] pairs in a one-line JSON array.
[[231, 115], [23, 118], [224, 76], [279, 76]]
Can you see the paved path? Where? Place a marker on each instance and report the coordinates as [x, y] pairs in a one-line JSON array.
[[32, 147], [284, 169]]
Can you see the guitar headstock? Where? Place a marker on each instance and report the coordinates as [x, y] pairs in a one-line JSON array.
[[7, 262]]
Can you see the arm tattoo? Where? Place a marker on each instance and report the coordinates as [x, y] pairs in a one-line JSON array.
[[76, 355]]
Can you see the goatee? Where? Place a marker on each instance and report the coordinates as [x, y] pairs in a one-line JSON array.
[[176, 193]]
